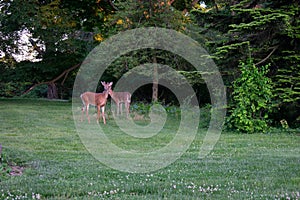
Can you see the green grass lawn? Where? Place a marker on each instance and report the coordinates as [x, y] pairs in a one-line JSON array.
[[40, 135]]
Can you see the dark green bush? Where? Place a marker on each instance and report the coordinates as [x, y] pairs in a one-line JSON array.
[[251, 99]]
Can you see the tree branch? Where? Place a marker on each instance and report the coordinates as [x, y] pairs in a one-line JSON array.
[[112, 5], [64, 73], [268, 56]]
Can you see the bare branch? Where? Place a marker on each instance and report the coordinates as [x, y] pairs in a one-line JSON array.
[[64, 73], [112, 5], [268, 56]]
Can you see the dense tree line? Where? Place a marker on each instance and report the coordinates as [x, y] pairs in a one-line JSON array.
[[258, 35]]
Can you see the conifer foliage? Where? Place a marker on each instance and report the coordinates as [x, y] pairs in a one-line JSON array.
[[271, 30]]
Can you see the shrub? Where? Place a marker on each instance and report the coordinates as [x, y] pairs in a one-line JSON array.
[[251, 99]]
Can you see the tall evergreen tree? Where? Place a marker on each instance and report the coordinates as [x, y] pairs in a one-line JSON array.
[[271, 29]]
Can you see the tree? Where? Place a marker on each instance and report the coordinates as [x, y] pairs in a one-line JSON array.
[[270, 28], [61, 32], [143, 13]]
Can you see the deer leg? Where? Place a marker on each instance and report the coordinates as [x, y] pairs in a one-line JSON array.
[[82, 112], [112, 109], [103, 114], [118, 108], [127, 105], [121, 108], [87, 112], [98, 114]]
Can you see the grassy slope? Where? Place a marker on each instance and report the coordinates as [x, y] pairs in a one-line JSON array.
[[41, 136]]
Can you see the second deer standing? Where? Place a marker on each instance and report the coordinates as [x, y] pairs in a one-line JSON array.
[[119, 98]]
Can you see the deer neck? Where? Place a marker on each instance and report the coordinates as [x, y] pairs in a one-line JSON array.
[[105, 94], [113, 94]]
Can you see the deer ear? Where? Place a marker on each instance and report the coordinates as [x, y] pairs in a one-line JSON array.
[[102, 83], [110, 84]]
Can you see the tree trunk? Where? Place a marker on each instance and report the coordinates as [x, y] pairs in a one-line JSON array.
[[52, 91], [155, 81]]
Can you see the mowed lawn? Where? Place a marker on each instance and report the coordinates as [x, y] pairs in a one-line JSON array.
[[41, 137]]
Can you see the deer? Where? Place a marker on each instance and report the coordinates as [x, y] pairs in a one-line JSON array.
[[96, 99], [119, 98]]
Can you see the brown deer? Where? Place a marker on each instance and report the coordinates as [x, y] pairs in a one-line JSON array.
[[95, 99], [119, 98]]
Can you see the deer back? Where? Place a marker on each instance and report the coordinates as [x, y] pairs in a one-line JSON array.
[[94, 98], [121, 96]]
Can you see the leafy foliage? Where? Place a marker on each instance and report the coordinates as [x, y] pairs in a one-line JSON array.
[[61, 33], [288, 79], [270, 28], [143, 13], [252, 99], [136, 14]]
